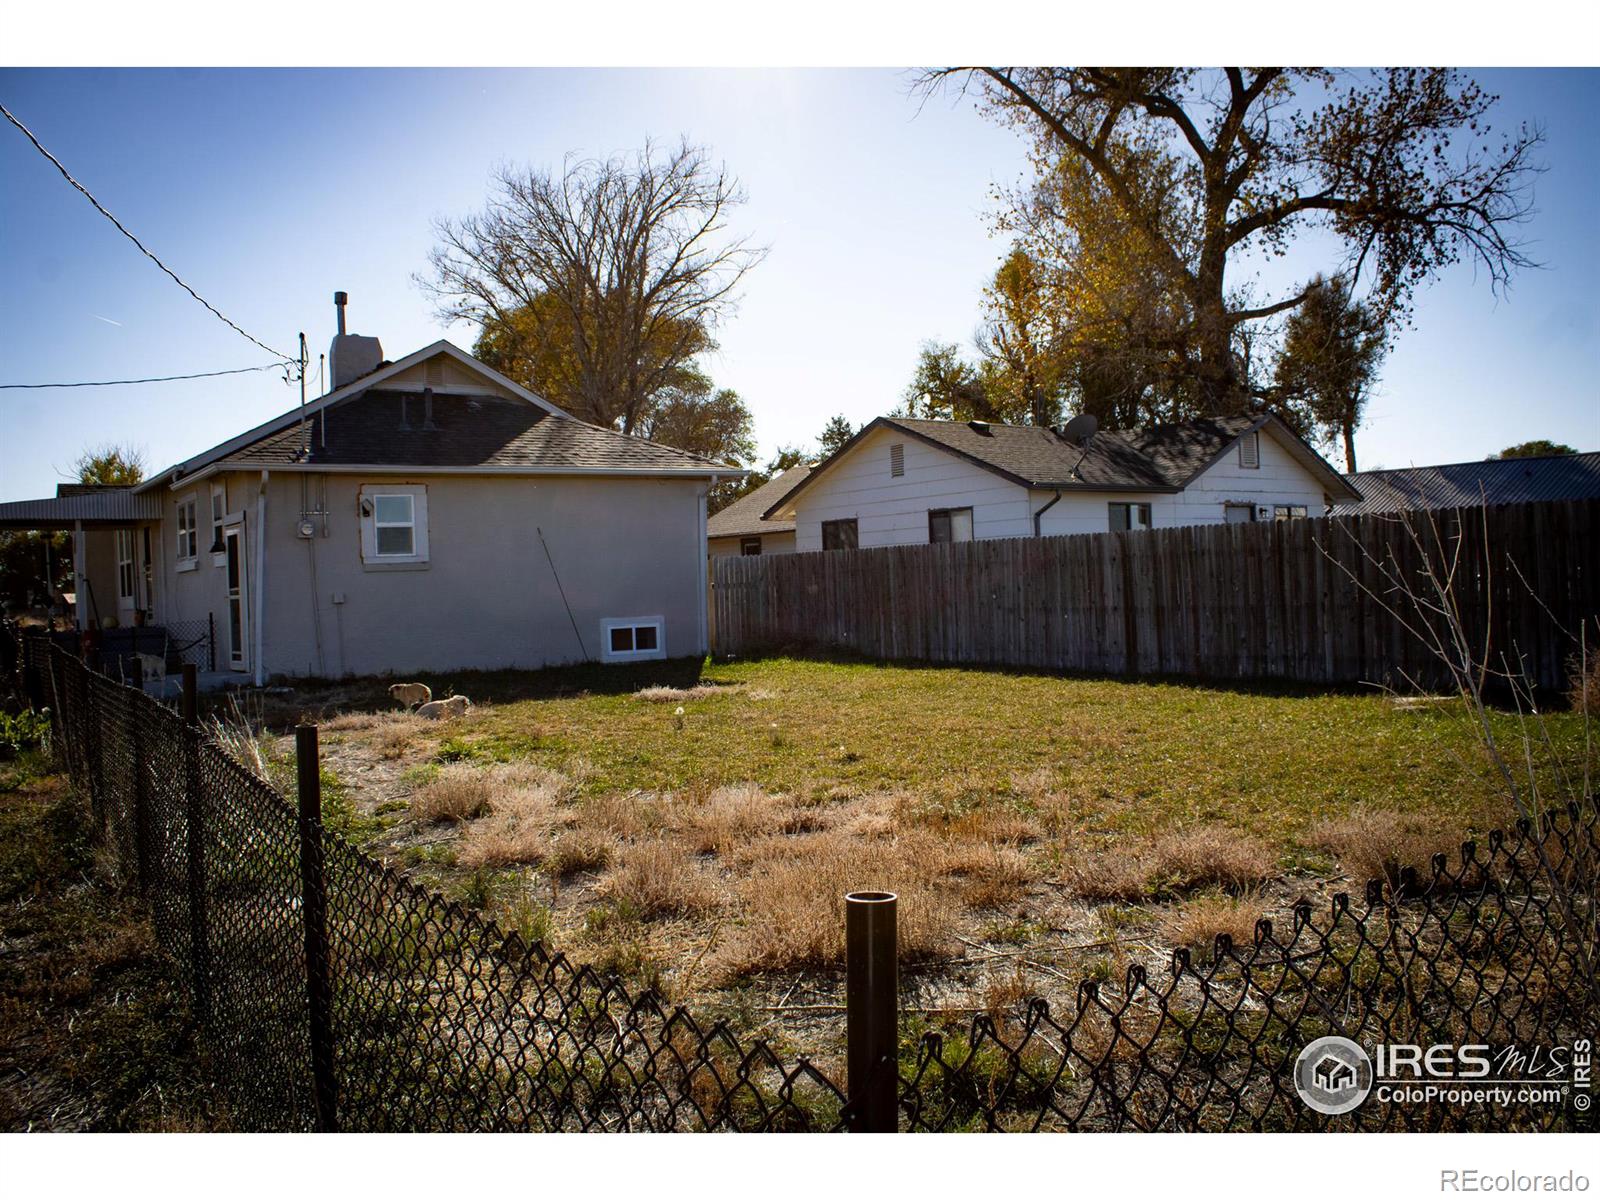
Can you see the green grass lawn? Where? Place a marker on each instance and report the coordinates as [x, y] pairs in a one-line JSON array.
[[1144, 756]]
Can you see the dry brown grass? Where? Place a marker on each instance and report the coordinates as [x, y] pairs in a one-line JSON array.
[[459, 792], [992, 876], [518, 827], [1197, 922], [1213, 856], [673, 695], [1583, 689], [575, 850], [792, 899], [726, 818], [656, 879], [1380, 844]]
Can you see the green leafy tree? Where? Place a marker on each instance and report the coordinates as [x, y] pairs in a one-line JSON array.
[[1332, 348], [1538, 448], [1198, 171], [946, 387], [834, 435], [123, 465]]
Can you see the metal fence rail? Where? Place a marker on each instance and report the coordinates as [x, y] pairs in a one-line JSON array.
[[335, 994]]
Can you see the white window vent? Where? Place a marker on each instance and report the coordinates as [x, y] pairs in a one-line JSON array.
[[1250, 451], [897, 459]]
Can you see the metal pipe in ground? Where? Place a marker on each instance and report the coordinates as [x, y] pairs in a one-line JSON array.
[[872, 1002]]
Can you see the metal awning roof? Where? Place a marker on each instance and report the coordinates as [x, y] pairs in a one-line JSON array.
[[97, 507]]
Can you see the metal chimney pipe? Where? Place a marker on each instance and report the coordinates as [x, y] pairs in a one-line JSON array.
[[340, 299]]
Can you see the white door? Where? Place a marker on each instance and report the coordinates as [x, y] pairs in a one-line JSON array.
[[238, 614], [127, 578]]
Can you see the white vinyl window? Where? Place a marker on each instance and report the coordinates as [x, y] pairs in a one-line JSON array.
[[1128, 517], [188, 534], [950, 525], [630, 639], [1250, 451], [219, 511], [394, 524], [125, 565]]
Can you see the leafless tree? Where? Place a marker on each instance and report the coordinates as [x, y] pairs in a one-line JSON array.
[[604, 280]]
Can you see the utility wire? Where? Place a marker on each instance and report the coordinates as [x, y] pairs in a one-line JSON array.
[[154, 379], [67, 175]]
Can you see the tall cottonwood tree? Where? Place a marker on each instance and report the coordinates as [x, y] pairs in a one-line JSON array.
[[601, 283], [1401, 166]]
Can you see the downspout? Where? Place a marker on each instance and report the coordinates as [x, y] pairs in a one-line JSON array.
[[703, 583], [260, 580], [1054, 500]]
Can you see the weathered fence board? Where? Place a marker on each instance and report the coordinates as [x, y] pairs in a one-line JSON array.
[[1313, 601]]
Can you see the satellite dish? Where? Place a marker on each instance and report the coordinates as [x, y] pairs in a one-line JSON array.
[[1081, 428]]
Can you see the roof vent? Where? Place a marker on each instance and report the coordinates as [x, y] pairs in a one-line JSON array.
[[981, 428], [351, 356]]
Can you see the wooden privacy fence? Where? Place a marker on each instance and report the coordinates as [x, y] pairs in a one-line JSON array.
[[1308, 600]]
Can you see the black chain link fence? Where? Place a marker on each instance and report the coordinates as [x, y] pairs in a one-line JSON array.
[[334, 993]]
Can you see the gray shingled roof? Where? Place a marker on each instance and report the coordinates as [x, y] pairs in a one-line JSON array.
[[1159, 458], [470, 431], [743, 517], [1460, 485]]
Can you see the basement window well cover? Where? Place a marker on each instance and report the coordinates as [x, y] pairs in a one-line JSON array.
[[628, 639]]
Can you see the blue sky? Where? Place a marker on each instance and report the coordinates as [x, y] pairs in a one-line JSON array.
[[269, 190]]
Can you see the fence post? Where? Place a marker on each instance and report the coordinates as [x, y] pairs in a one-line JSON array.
[[313, 890], [195, 837], [141, 801], [872, 985]]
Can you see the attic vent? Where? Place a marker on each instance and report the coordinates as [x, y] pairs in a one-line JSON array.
[[897, 459], [981, 428], [1250, 451]]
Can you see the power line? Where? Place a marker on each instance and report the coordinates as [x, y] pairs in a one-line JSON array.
[[153, 379], [67, 175]]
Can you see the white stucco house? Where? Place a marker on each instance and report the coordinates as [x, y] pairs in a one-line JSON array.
[[426, 514], [902, 481]]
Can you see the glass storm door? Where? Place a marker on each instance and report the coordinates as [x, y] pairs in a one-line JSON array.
[[238, 619]]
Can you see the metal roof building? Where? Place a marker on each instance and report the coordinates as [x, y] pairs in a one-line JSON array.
[[1462, 485]]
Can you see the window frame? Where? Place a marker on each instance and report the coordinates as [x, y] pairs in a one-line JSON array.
[[367, 508], [188, 530], [1129, 507], [949, 515], [609, 625], [1248, 507], [127, 567], [1290, 512], [745, 545], [855, 527], [219, 519]]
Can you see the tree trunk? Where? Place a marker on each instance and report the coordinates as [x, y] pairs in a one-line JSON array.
[[1350, 447]]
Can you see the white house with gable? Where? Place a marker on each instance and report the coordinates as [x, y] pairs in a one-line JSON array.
[[902, 481]]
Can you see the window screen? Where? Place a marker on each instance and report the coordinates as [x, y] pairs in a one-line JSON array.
[[839, 535], [950, 525]]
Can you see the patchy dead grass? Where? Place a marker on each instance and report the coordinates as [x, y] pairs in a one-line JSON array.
[[1196, 923], [657, 879], [792, 899], [677, 695], [726, 818], [518, 828], [459, 792], [1380, 844], [1177, 864]]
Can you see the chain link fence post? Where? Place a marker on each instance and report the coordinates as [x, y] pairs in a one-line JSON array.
[[872, 1007], [141, 798], [195, 839], [314, 906]]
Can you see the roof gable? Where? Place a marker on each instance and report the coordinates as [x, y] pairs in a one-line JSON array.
[[1158, 458], [744, 515]]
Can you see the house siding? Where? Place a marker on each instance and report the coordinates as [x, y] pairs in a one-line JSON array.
[[487, 597], [732, 547], [893, 510]]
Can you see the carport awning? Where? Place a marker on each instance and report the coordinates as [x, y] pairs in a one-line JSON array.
[[99, 507]]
